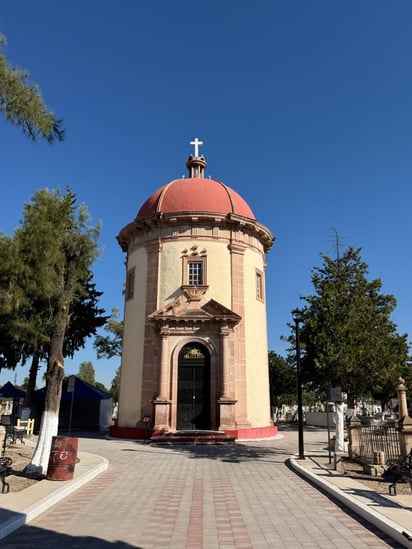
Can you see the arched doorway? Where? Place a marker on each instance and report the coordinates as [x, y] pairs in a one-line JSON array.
[[193, 387]]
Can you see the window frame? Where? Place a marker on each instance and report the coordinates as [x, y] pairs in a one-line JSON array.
[[130, 283], [187, 260], [260, 285]]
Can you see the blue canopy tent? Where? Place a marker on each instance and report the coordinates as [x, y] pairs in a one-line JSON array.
[[88, 407], [10, 391]]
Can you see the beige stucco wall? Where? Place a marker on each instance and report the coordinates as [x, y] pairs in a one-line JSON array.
[[257, 375], [218, 270], [133, 343], [170, 275]]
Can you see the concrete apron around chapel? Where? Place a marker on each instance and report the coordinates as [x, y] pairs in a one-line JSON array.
[[195, 353]]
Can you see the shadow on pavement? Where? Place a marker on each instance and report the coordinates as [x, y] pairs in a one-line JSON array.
[[31, 537]]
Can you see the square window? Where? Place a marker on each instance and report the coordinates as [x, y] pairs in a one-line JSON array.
[[195, 273]]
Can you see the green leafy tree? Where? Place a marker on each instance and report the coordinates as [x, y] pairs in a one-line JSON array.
[[11, 348], [59, 247], [23, 386], [22, 105], [22, 323], [101, 386], [87, 373], [111, 346], [347, 336], [25, 327], [115, 386], [282, 379], [84, 319]]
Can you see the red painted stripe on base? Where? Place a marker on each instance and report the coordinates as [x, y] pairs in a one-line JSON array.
[[254, 432], [134, 432]]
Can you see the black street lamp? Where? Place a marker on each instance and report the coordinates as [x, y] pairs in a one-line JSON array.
[[297, 317]]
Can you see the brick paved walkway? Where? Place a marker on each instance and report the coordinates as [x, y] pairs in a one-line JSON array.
[[196, 497]]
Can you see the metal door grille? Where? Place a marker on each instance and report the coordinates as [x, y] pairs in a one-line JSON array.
[[193, 395]]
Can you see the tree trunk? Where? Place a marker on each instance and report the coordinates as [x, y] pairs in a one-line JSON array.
[[54, 380], [351, 400], [31, 386]]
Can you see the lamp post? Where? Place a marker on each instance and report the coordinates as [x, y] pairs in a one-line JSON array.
[[297, 317]]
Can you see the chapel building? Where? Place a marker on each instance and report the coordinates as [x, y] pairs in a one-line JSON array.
[[195, 353]]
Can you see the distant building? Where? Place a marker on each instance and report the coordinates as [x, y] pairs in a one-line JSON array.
[[195, 350]]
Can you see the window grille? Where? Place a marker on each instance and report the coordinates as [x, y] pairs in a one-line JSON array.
[[259, 286], [195, 274]]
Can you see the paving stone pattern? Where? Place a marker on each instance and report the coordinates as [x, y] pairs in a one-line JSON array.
[[196, 497]]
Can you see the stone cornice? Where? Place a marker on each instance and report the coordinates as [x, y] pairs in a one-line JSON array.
[[139, 227]]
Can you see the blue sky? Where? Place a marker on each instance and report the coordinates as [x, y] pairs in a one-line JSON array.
[[304, 108]]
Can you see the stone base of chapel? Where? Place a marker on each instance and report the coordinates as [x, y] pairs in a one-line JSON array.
[[137, 433]]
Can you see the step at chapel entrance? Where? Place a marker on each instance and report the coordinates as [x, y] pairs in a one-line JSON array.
[[193, 388]]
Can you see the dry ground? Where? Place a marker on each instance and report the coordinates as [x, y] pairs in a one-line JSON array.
[[21, 455], [375, 483]]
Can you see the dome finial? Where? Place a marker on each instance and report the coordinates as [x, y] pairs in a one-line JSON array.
[[196, 144], [196, 164]]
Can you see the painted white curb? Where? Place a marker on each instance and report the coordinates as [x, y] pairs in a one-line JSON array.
[[383, 523], [43, 496]]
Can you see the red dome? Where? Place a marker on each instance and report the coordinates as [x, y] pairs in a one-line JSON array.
[[195, 194]]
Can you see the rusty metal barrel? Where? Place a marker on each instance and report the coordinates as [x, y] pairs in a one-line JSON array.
[[63, 458]]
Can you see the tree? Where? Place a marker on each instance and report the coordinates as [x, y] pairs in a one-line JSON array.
[[25, 327], [84, 319], [115, 386], [10, 346], [347, 337], [22, 322], [101, 386], [282, 378], [110, 346], [23, 386], [86, 372], [22, 105], [59, 248]]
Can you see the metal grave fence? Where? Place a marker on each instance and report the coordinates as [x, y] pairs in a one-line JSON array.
[[381, 437]]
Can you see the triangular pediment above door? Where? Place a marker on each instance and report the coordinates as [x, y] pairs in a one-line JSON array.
[[180, 310]]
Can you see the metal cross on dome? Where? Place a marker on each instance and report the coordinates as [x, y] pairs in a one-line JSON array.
[[196, 144]]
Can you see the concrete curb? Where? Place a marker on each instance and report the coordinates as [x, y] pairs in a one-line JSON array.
[[40, 497], [386, 525]]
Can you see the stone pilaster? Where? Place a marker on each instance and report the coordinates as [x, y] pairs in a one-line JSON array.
[[237, 250], [162, 402], [404, 422], [227, 414], [405, 435], [150, 374], [225, 370], [354, 435], [402, 401], [164, 374]]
